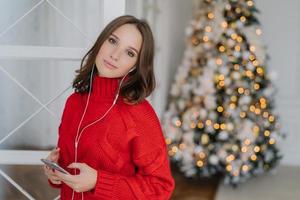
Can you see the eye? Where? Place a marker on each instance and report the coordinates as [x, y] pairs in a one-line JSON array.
[[131, 54], [112, 40]]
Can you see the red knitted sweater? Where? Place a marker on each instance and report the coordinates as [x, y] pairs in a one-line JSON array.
[[127, 147]]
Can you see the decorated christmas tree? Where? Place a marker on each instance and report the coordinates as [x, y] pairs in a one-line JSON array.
[[220, 115]]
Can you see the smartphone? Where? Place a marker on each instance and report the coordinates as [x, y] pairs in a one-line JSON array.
[[54, 165]]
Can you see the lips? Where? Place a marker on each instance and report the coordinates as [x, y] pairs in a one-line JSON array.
[[109, 65]]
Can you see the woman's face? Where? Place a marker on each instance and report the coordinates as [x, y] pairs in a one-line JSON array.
[[119, 52]]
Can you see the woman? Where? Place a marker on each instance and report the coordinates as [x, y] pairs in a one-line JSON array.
[[110, 139]]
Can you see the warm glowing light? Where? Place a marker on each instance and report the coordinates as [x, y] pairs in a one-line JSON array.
[[182, 146], [233, 98], [220, 109], [178, 123], [243, 18], [247, 141], [229, 168], [272, 141], [210, 15], [208, 122], [205, 38], [256, 86], [200, 163], [242, 114], [224, 24], [230, 158], [256, 149], [193, 125], [219, 61], [222, 48], [200, 125], [253, 157], [216, 126], [168, 141], [258, 31], [252, 48], [250, 3], [208, 29], [267, 133], [241, 90], [174, 149], [271, 118], [223, 126]]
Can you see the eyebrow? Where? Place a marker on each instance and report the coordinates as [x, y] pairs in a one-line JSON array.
[[129, 46]]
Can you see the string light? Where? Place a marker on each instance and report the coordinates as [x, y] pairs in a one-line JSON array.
[[241, 90], [208, 122], [220, 109], [252, 48], [216, 126], [253, 157], [222, 48], [267, 133], [182, 146], [258, 31], [234, 36], [229, 168], [208, 29], [223, 126], [244, 149], [232, 105], [200, 125], [272, 141], [193, 125], [233, 98], [250, 3], [256, 149], [247, 141], [168, 141], [219, 61], [243, 18], [202, 155], [210, 15], [260, 71], [245, 168], [200, 163], [178, 123], [205, 38], [271, 118], [239, 39], [256, 86], [230, 158], [224, 24], [242, 114]]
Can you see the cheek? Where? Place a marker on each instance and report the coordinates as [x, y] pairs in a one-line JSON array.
[[127, 63]]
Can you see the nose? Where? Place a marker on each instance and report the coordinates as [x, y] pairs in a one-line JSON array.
[[114, 55]]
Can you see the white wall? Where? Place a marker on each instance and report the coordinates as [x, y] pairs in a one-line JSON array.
[[174, 16], [281, 27]]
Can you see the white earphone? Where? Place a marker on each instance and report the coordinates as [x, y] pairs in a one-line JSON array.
[[78, 135]]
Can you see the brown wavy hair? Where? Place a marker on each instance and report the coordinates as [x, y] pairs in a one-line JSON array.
[[139, 83]]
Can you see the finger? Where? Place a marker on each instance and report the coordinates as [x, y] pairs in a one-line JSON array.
[[79, 166], [64, 177], [56, 182]]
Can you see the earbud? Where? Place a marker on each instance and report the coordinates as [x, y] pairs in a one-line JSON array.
[[132, 69]]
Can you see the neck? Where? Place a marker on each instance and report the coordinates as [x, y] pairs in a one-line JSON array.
[[104, 88]]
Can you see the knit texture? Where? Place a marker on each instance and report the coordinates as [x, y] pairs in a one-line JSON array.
[[127, 147]]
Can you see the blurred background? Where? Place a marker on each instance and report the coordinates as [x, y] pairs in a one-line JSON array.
[[206, 50]]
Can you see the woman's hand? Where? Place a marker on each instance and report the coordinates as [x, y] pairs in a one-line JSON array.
[[84, 181], [53, 156]]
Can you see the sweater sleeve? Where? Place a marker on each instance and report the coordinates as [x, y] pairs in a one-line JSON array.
[[153, 179]]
